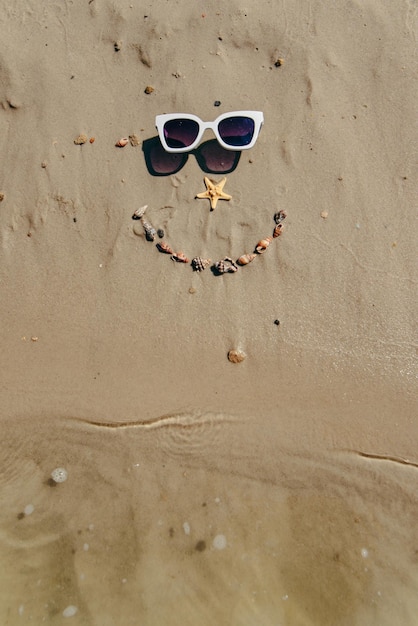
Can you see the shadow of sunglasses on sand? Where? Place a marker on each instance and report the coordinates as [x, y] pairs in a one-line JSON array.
[[210, 156]]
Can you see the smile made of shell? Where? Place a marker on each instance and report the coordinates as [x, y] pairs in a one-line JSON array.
[[198, 264]]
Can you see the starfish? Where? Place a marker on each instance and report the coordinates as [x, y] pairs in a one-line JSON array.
[[214, 192]]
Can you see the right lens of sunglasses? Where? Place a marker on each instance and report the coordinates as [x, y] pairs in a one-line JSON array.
[[180, 133], [236, 131], [214, 159]]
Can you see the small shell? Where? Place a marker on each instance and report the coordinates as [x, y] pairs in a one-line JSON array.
[[263, 244], [246, 258], [200, 264], [139, 212], [150, 231], [236, 356], [180, 257], [278, 230], [80, 140], [122, 142], [164, 247], [135, 140], [225, 266], [280, 216]]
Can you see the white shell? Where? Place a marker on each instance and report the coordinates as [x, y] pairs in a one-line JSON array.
[[59, 475], [226, 266], [139, 212]]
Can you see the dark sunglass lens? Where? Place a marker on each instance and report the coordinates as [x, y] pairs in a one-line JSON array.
[[180, 133], [215, 159], [236, 131], [162, 163]]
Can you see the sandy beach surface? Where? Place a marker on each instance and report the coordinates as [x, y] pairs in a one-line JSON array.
[[277, 491]]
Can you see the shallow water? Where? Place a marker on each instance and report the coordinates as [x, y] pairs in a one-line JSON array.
[[139, 533]]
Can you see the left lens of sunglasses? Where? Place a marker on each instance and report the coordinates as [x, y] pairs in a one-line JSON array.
[[180, 133], [237, 130]]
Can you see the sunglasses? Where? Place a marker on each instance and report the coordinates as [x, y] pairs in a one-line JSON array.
[[181, 132], [210, 156]]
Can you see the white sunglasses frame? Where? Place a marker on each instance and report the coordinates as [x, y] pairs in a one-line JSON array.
[[160, 120]]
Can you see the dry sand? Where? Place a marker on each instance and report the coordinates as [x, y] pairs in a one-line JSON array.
[[276, 491]]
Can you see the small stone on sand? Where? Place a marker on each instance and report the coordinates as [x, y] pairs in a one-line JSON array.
[[324, 214], [69, 611], [219, 542]]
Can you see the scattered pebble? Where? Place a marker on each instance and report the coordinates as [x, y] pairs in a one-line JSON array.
[[149, 89], [92, 139], [217, 103], [43, 164], [121, 143], [160, 233], [1, 197], [192, 290], [324, 214], [219, 542], [33, 338], [277, 322], [200, 546], [69, 611], [59, 475], [236, 356], [29, 509], [186, 528], [135, 140], [80, 140], [279, 63], [117, 46]]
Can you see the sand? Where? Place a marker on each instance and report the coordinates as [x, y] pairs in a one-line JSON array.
[[277, 490]]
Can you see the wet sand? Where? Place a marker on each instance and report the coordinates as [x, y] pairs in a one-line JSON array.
[[279, 490]]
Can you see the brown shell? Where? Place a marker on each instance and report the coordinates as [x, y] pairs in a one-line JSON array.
[[278, 230], [164, 247], [246, 258], [236, 356], [180, 257], [200, 264], [122, 142], [263, 244]]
